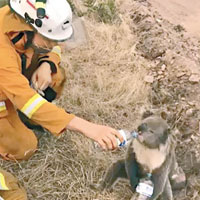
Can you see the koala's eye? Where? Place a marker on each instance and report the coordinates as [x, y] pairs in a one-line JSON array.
[[142, 127]]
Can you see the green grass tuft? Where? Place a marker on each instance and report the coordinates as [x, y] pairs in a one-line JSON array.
[[105, 11]]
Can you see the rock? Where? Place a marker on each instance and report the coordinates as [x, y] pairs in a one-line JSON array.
[[189, 112], [194, 138], [195, 78], [193, 67], [180, 74], [160, 77], [191, 103], [158, 20], [163, 67], [149, 79]]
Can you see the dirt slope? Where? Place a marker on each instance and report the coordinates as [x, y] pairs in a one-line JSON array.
[[182, 12]]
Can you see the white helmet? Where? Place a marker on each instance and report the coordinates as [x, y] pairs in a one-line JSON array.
[[56, 22]]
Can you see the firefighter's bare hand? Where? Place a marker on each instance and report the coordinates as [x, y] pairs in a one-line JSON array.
[[105, 136], [41, 78]]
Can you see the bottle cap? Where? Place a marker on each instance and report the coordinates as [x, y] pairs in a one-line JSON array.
[[149, 175], [134, 134]]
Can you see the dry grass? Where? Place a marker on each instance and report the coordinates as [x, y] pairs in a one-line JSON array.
[[105, 78], [105, 85]]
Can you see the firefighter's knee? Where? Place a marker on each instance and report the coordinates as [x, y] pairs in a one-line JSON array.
[[22, 151], [17, 194], [14, 190], [26, 151]]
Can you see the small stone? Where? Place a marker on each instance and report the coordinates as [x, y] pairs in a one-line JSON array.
[[195, 78], [188, 140], [158, 20], [176, 132], [193, 138], [191, 103], [149, 79], [163, 67], [179, 74], [159, 77], [184, 77], [189, 112], [183, 98]]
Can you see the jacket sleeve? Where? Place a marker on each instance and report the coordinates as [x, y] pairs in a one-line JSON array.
[[53, 58], [16, 87], [58, 72]]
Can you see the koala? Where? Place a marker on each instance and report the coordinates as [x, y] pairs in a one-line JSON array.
[[153, 151]]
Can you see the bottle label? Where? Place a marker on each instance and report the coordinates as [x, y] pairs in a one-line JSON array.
[[145, 189], [123, 134]]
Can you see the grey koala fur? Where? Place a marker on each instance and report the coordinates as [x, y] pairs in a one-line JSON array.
[[153, 151]]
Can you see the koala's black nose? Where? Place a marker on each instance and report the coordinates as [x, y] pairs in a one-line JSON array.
[[142, 127]]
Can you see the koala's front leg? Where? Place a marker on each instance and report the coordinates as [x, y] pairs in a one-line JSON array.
[[159, 179], [177, 176], [132, 169], [167, 193]]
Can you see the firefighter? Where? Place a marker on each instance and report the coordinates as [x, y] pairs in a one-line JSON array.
[[30, 77], [10, 189]]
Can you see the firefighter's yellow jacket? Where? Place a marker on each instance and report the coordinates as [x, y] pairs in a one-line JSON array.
[[15, 92], [10, 189]]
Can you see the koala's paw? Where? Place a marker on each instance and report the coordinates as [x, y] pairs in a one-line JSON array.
[[178, 181]]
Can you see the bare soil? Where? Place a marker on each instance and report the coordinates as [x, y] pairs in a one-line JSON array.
[[144, 63], [181, 12]]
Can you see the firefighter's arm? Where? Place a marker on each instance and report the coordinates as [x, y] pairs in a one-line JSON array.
[[53, 58], [16, 87], [104, 135], [42, 77], [48, 69]]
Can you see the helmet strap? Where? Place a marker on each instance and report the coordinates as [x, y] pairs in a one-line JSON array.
[[30, 36]]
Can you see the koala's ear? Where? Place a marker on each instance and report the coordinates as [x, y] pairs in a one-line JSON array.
[[164, 115], [147, 114]]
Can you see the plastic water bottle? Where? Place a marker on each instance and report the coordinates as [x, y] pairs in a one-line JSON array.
[[127, 135], [145, 188]]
